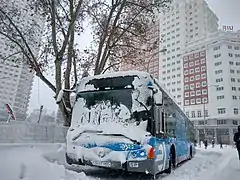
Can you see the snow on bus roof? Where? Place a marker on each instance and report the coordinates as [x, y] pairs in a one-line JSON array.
[[117, 74]]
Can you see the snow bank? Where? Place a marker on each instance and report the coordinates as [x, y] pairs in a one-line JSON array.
[[29, 164]]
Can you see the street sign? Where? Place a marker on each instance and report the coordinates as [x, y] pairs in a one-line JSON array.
[[10, 112]]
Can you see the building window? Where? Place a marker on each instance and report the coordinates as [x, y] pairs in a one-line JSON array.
[[198, 101], [220, 97], [219, 80], [197, 77], [221, 110], [203, 76], [193, 114], [231, 71], [229, 47], [186, 79], [236, 47], [206, 113], [218, 71], [186, 94], [198, 85], [235, 111], [203, 68], [204, 83], [218, 63], [234, 97], [221, 122], [235, 122], [192, 93], [191, 86], [204, 100], [197, 62], [234, 88], [217, 55], [197, 69], [191, 78], [203, 61], [192, 101], [231, 62], [216, 48], [199, 114], [198, 92], [204, 91], [233, 80], [186, 102], [191, 64], [187, 114], [191, 71]]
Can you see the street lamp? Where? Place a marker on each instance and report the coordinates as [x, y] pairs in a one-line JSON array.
[[204, 114]]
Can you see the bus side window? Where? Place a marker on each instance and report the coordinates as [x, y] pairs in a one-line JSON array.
[[159, 116]]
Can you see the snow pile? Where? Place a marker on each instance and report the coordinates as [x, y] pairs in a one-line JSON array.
[[30, 165]]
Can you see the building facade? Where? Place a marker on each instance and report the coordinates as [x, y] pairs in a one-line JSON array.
[[201, 68], [185, 21], [15, 78], [212, 85], [15, 89]]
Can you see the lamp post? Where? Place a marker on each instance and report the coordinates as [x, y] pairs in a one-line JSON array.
[[204, 112]]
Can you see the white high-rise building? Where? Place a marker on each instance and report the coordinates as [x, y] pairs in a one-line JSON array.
[[15, 78], [185, 21], [15, 89], [212, 84]]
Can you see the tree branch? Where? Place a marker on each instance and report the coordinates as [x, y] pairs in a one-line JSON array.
[[70, 27], [12, 55], [24, 41], [104, 59], [53, 26]]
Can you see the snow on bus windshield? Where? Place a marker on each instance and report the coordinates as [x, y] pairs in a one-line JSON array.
[[128, 104]]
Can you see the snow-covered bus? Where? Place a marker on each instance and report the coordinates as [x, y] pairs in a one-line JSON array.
[[128, 121]]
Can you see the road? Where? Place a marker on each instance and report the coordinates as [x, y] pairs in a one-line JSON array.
[[38, 162]]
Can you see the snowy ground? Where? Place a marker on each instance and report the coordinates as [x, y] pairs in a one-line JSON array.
[[46, 162]]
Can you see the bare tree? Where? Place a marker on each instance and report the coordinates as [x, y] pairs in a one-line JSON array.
[[121, 30], [40, 33]]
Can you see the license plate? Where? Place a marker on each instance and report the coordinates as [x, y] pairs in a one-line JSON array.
[[101, 163]]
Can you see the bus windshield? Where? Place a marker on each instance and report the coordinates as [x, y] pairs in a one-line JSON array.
[[114, 105]]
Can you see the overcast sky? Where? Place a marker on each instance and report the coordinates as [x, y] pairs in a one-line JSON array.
[[228, 12]]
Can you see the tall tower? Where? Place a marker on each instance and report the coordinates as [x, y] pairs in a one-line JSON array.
[[185, 21], [15, 78]]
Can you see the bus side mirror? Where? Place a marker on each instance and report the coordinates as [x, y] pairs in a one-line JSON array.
[[158, 98]]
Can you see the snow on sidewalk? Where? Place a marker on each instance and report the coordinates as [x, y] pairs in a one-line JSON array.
[[27, 163], [47, 162]]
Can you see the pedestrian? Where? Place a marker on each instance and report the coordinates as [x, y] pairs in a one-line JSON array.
[[221, 144], [195, 143], [206, 144], [236, 139], [213, 142]]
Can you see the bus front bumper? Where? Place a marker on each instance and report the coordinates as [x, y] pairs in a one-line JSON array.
[[142, 166]]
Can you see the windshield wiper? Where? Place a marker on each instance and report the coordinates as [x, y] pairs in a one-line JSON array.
[[119, 135], [85, 131], [141, 103]]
